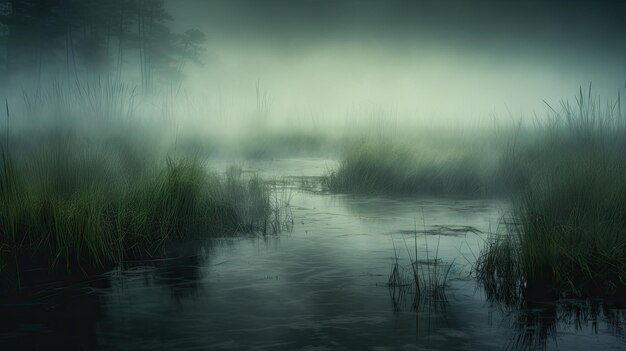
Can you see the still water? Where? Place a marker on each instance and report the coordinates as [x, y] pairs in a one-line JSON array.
[[322, 286]]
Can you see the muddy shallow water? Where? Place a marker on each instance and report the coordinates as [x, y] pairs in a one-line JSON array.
[[323, 286]]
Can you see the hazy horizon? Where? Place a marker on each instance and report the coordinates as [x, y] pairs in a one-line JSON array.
[[422, 59]]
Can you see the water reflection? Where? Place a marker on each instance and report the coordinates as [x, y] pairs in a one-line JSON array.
[[63, 318], [181, 276], [324, 286], [540, 325]]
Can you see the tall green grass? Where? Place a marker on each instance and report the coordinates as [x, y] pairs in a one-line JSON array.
[[100, 99], [426, 280], [568, 234], [74, 224], [75, 200], [391, 166], [565, 174]]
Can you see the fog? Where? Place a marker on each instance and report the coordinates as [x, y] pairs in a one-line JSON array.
[[413, 61], [418, 60], [312, 174]]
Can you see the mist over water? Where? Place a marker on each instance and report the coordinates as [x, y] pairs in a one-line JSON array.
[[420, 60], [313, 174]]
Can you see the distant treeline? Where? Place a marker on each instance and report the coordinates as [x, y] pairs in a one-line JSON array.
[[77, 38]]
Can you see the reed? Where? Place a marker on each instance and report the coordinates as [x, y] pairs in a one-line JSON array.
[[395, 167], [568, 233], [426, 279], [74, 206]]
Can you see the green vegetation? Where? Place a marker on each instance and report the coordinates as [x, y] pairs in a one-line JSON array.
[[76, 199], [426, 280], [568, 234], [78, 195], [71, 219], [386, 165], [566, 175]]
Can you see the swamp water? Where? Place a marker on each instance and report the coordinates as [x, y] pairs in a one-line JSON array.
[[322, 286]]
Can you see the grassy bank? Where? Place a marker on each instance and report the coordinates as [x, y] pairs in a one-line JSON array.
[[464, 166], [569, 230], [566, 176], [76, 200], [568, 233], [69, 219]]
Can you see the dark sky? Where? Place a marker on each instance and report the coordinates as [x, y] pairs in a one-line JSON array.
[[557, 45], [570, 24]]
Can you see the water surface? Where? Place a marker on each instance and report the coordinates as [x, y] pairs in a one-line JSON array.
[[323, 286]]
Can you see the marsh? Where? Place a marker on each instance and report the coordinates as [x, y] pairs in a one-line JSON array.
[[307, 175]]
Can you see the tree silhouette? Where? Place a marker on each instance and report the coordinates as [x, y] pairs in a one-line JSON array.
[[93, 37]]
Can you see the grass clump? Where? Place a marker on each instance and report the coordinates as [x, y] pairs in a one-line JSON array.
[[381, 165], [74, 212], [83, 185], [568, 234], [426, 279]]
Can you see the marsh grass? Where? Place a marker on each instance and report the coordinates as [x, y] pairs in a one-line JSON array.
[[85, 181], [569, 232], [536, 323], [425, 279], [74, 229], [76, 209], [383, 165], [99, 99], [567, 237]]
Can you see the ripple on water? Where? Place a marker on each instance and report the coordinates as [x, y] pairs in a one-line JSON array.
[[321, 287]]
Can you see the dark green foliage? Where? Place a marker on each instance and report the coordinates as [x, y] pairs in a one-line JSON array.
[[385, 166], [566, 176], [76, 212], [93, 36], [568, 236]]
